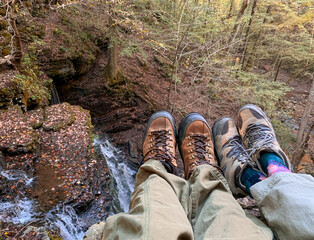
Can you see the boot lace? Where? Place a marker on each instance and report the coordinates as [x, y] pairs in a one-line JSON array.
[[241, 154], [159, 146], [203, 156], [200, 144], [258, 136]]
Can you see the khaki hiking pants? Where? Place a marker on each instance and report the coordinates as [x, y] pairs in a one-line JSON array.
[[164, 206]]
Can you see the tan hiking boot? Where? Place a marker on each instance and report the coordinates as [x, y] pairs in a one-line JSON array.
[[195, 143], [159, 140], [258, 135], [232, 157]]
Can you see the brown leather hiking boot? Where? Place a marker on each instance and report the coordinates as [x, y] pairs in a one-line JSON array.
[[159, 140], [195, 143], [258, 134]]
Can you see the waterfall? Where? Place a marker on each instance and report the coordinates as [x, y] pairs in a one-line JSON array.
[[63, 218], [121, 172], [54, 95]]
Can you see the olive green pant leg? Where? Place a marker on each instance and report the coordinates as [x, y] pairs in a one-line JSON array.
[[215, 214], [155, 209], [287, 202]]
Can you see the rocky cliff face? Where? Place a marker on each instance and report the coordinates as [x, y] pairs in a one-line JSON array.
[[52, 145]]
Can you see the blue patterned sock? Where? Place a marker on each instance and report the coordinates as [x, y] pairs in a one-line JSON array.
[[250, 177], [272, 163]]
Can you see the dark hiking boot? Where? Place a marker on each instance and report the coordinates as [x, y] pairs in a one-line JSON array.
[[258, 135], [159, 140], [195, 143], [232, 157]]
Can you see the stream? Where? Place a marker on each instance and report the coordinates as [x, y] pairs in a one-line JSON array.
[[63, 218]]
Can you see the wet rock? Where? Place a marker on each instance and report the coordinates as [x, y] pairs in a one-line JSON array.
[[16, 135], [95, 232], [35, 233], [58, 116], [20, 161], [3, 164]]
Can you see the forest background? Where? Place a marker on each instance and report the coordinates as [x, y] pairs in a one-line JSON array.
[[213, 54]]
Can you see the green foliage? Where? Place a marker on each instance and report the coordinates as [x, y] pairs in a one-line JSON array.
[[32, 83], [285, 136], [257, 89], [58, 31], [132, 47]]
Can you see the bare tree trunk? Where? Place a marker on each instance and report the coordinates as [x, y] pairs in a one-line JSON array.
[[231, 9], [237, 22], [303, 133], [247, 34], [112, 70], [278, 69], [256, 43], [18, 52]]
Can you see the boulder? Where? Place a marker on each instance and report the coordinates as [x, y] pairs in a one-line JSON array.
[[35, 118], [16, 134], [95, 232], [58, 116]]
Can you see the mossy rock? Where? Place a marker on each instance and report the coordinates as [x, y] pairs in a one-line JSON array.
[[35, 117], [7, 87], [2, 12], [33, 32], [58, 116], [3, 25], [5, 43]]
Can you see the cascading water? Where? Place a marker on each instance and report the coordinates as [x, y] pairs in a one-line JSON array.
[[54, 95], [120, 171], [63, 218], [20, 209]]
